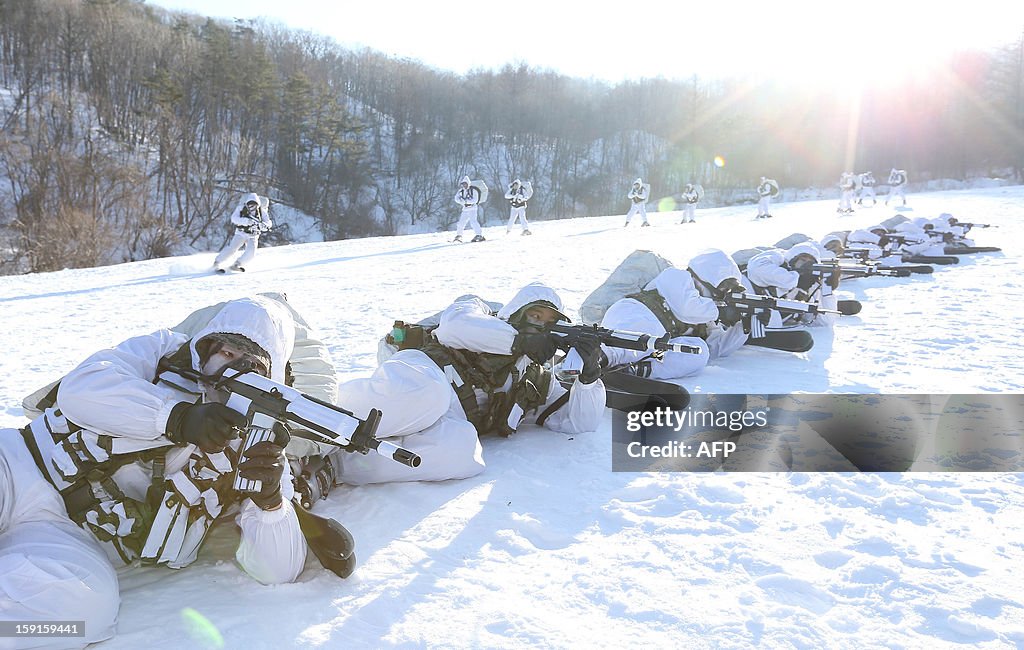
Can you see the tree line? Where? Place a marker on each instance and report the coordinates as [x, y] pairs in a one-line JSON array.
[[128, 132]]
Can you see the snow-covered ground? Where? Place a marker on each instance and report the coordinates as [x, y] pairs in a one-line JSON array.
[[548, 547]]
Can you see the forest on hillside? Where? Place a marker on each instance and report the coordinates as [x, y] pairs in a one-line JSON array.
[[127, 132]]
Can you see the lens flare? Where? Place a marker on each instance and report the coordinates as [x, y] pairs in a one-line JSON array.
[[202, 632], [667, 204], [719, 162]]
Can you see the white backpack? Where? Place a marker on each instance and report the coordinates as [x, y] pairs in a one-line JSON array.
[[631, 276]]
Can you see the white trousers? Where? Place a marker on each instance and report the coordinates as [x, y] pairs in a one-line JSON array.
[[846, 199], [867, 193], [723, 342], [635, 208], [240, 239], [689, 213], [468, 216], [896, 191], [50, 569], [421, 413], [763, 204], [517, 214], [629, 316]]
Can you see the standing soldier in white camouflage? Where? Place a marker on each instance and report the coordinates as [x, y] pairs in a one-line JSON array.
[[766, 189], [518, 194], [897, 185], [847, 185], [866, 188], [251, 219], [638, 194], [691, 195], [469, 197]]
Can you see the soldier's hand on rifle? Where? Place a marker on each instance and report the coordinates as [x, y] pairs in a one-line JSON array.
[[729, 315], [834, 278], [264, 462], [540, 347], [589, 349], [807, 278], [209, 426]]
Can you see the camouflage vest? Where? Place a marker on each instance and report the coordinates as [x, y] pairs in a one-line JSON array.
[[166, 525], [655, 302], [472, 371]]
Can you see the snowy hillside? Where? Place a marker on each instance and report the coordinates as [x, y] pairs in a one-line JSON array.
[[548, 547]]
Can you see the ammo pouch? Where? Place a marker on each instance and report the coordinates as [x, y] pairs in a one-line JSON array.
[[505, 410], [406, 336], [113, 518], [472, 371], [186, 511], [167, 527], [81, 465]]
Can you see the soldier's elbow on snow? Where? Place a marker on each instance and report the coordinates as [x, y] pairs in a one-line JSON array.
[[272, 569]]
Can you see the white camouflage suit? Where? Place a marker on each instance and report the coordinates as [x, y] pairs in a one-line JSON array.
[[917, 240], [691, 196], [248, 228], [638, 195], [713, 267], [847, 188], [897, 186], [50, 569], [768, 270], [517, 195], [866, 187], [422, 412], [468, 198], [685, 303], [765, 190]]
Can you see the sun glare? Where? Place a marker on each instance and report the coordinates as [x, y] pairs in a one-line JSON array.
[[858, 44]]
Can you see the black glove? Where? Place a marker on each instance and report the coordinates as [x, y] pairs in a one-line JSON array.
[[807, 279], [264, 462], [729, 315], [209, 426], [589, 349], [834, 278], [540, 347]]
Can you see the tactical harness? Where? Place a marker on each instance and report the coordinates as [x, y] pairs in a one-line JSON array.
[[655, 302], [469, 372], [169, 524]]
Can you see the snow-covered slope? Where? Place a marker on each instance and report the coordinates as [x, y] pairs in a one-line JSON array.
[[548, 547]]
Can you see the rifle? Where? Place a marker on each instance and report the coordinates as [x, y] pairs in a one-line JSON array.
[[857, 253], [266, 403], [657, 346], [751, 302], [968, 225], [570, 334], [901, 238], [858, 270]]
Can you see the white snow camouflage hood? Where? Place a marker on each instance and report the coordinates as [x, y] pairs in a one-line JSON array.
[[804, 248], [676, 287], [261, 320], [535, 292], [713, 266]]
